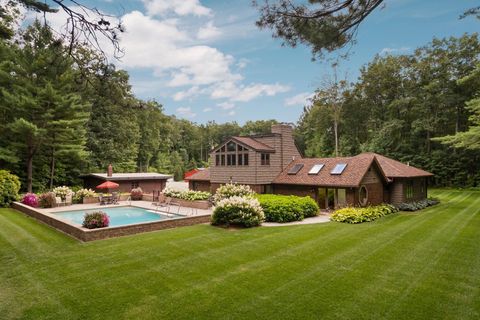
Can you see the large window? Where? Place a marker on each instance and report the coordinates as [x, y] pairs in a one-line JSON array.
[[265, 159], [231, 154]]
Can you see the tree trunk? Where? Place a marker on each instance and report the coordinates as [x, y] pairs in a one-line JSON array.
[[29, 171], [52, 168], [335, 129]]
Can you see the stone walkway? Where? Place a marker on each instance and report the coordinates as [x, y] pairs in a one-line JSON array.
[[318, 219]]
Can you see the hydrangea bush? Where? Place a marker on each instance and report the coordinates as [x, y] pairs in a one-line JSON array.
[[230, 190], [240, 211], [62, 192], [359, 215], [47, 200], [30, 199], [97, 219], [9, 187], [83, 193], [189, 195]]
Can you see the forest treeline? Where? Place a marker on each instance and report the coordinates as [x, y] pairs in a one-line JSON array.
[[61, 117]]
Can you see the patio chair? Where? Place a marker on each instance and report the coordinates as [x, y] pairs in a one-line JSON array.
[[101, 199], [115, 197], [169, 202], [59, 202], [68, 200]]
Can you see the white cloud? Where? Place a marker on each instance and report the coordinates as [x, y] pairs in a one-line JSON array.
[[226, 105], [208, 109], [243, 93], [169, 48], [208, 32], [242, 63], [181, 95], [180, 7], [300, 99], [394, 50], [186, 112], [231, 113]]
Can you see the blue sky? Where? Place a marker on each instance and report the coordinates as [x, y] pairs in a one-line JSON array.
[[206, 60]]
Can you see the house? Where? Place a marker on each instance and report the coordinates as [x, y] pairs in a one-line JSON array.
[[271, 163], [147, 181]]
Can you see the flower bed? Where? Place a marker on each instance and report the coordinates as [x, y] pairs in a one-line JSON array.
[[97, 219], [189, 198], [359, 215], [417, 205]]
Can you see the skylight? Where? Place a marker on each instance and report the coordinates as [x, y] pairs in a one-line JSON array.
[[316, 169], [338, 168], [295, 168]]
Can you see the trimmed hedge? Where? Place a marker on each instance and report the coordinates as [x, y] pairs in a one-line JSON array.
[[417, 205], [359, 215], [240, 211], [279, 208]]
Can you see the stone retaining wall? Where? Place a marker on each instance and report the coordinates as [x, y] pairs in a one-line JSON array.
[[110, 232]]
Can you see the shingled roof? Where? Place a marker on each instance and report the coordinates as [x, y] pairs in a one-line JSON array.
[[202, 175], [396, 169], [253, 143], [352, 175]]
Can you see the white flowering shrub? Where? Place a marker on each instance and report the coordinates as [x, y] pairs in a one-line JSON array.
[[240, 211], [62, 191], [83, 193], [231, 190]]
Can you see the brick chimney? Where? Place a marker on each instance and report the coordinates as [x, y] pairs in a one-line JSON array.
[[109, 170]]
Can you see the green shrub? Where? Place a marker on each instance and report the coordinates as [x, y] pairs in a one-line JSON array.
[[417, 205], [240, 211], [232, 190], [96, 219], [279, 208], [359, 215], [189, 195], [9, 187]]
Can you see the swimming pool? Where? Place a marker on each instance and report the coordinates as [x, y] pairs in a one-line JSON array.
[[119, 216]]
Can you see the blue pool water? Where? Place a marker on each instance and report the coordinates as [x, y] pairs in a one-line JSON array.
[[119, 216]]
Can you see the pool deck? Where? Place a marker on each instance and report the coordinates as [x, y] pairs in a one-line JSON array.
[[183, 211], [182, 216]]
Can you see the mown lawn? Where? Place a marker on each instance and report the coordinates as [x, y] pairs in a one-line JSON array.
[[406, 266]]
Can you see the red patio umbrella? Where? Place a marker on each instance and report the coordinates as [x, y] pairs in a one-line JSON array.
[[108, 185]]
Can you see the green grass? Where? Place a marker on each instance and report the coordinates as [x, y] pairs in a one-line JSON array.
[[423, 265]]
